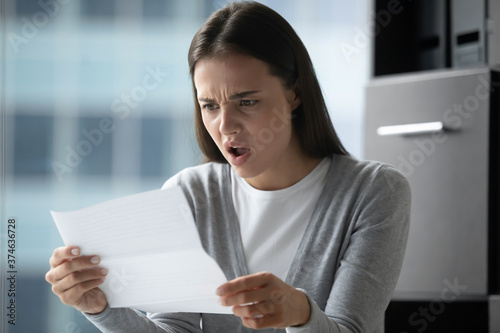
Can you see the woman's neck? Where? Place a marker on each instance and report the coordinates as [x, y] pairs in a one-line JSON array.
[[287, 171]]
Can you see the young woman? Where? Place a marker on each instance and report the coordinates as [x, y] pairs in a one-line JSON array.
[[310, 239]]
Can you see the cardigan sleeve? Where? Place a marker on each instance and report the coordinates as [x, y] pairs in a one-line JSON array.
[[129, 320], [370, 266], [318, 322]]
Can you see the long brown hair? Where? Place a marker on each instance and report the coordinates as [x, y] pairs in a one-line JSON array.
[[256, 30]]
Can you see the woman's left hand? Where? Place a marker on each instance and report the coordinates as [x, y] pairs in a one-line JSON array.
[[262, 300]]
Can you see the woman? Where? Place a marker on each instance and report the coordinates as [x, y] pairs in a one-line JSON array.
[[310, 239]]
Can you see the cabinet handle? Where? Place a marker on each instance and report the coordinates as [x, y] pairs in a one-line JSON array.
[[413, 129]]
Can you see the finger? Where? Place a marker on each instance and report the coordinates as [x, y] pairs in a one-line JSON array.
[[255, 310], [68, 267], [74, 294], [246, 297], [76, 278], [260, 322], [62, 254], [244, 283]]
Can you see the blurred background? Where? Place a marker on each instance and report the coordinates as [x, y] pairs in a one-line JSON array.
[[97, 104]]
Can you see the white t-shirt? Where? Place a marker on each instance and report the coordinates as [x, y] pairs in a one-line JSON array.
[[272, 222]]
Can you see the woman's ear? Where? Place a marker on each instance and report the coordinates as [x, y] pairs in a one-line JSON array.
[[296, 101]]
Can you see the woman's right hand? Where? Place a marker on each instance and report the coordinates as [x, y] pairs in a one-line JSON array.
[[75, 279]]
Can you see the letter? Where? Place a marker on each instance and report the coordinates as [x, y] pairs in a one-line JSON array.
[[380, 19], [444, 298], [416, 157], [84, 148], [480, 96], [12, 305], [440, 308], [253, 143], [439, 137], [284, 116], [427, 146], [424, 313], [392, 6], [486, 84], [95, 136], [266, 132], [106, 125], [115, 285], [455, 287], [50, 7], [372, 28], [274, 127], [115, 108], [360, 39], [60, 169], [72, 158], [122, 278], [139, 93], [28, 25], [72, 327], [43, 16], [126, 99], [146, 85], [452, 119], [459, 108], [348, 51], [471, 107], [405, 167], [158, 75], [15, 40], [414, 322]]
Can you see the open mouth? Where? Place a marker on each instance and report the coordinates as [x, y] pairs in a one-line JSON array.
[[238, 151]]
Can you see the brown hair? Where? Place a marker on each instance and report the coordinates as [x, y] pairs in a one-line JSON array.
[[256, 30]]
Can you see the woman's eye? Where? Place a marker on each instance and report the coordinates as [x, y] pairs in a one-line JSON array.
[[248, 102], [209, 107]]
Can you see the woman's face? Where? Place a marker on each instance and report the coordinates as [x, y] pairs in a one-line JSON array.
[[247, 113]]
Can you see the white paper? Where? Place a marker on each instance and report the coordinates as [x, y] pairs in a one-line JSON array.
[[151, 247]]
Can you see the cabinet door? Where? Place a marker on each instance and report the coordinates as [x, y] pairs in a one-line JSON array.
[[467, 32], [447, 171]]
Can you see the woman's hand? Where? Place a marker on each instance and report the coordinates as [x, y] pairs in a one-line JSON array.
[[75, 279], [263, 300]]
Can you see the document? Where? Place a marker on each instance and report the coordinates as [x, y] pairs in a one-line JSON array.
[[151, 247]]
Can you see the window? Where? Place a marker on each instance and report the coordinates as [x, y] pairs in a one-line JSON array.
[[32, 145]]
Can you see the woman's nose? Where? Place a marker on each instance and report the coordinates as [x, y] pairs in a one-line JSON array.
[[229, 123]]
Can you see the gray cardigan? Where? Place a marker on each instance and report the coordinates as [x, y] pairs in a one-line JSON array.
[[348, 260]]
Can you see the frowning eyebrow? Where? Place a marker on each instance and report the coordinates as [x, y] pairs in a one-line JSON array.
[[233, 97]]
